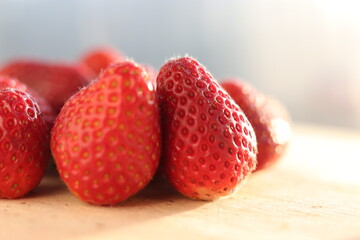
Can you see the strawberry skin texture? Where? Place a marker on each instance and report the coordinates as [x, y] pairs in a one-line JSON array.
[[54, 82], [106, 139], [269, 118], [100, 58], [209, 145], [46, 109], [24, 148]]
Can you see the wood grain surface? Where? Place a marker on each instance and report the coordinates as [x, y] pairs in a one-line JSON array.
[[312, 193]]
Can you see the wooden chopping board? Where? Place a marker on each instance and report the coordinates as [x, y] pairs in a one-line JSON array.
[[312, 193]]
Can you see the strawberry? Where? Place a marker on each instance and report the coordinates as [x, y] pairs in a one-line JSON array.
[[46, 109], [24, 148], [209, 145], [85, 71], [268, 117], [106, 139], [100, 58], [55, 82]]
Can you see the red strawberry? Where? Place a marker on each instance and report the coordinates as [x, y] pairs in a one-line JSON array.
[[268, 117], [55, 82], [106, 138], [46, 110], [24, 148], [100, 58], [209, 145], [86, 71]]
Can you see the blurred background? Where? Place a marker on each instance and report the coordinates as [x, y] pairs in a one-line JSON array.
[[306, 53]]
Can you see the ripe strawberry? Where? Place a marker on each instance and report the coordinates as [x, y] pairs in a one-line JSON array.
[[86, 71], [24, 148], [100, 58], [209, 145], [106, 138], [55, 82], [268, 117], [46, 109]]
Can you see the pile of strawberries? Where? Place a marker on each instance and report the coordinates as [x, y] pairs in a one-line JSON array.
[[111, 124]]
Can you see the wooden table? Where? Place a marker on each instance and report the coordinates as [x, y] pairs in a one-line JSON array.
[[312, 193]]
